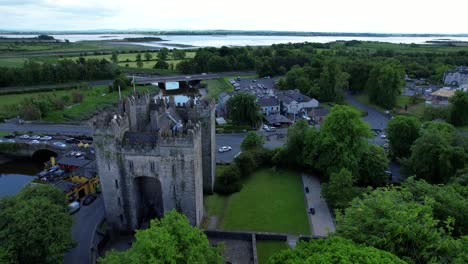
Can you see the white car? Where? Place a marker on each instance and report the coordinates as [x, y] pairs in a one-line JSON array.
[[24, 137], [35, 137], [224, 149], [10, 140], [59, 144], [35, 141], [383, 136], [46, 138]]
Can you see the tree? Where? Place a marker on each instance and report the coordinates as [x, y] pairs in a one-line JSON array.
[[384, 83], [389, 219], [402, 131], [434, 156], [459, 108], [139, 64], [244, 109], [163, 53], [121, 81], [148, 56], [246, 163], [36, 227], [229, 181], [295, 147], [339, 191], [178, 54], [161, 64], [138, 57], [169, 240], [186, 66], [252, 141], [115, 57], [333, 250], [372, 167], [341, 141]]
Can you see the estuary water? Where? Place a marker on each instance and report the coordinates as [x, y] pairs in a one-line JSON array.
[[231, 40], [14, 175]]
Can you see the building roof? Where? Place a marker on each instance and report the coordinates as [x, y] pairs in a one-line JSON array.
[[65, 185], [140, 137], [268, 101], [277, 119], [89, 170], [443, 93], [319, 112], [73, 161]]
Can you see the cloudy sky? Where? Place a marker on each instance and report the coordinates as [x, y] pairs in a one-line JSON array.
[[386, 16]]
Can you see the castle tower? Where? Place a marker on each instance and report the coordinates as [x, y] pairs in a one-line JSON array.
[[148, 164]]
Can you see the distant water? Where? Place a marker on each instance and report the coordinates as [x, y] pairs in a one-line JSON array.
[[234, 40], [16, 174]]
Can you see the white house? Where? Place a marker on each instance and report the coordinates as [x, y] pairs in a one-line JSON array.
[[294, 102], [269, 105]]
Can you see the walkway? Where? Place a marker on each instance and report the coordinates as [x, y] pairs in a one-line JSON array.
[[321, 223]]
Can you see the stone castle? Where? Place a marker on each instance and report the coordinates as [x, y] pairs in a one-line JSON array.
[[154, 156]]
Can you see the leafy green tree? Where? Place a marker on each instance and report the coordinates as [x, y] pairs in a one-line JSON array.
[[178, 54], [384, 83], [402, 131], [148, 56], [252, 141], [115, 57], [434, 156], [163, 53], [448, 202], [340, 190], [459, 108], [244, 109], [186, 66], [389, 219], [333, 250], [161, 64], [138, 57], [36, 227], [169, 240], [341, 141], [139, 64], [295, 147], [229, 181], [246, 163], [372, 167], [121, 81]]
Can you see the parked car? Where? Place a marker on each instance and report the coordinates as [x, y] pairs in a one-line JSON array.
[[46, 138], [10, 140], [389, 174], [35, 141], [35, 137], [73, 207], [10, 136], [59, 144], [89, 199], [24, 137], [224, 149], [383, 136]]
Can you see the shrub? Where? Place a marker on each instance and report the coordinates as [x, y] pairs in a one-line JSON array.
[[229, 181], [77, 96], [246, 164]]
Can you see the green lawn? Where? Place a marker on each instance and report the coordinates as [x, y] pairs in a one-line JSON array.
[[269, 201], [266, 249], [217, 86]]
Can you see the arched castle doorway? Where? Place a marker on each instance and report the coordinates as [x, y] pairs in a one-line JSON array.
[[150, 202]]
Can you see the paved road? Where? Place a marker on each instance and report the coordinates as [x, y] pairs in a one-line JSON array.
[[321, 223], [47, 128], [84, 226]]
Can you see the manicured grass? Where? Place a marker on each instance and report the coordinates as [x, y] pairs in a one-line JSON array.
[[218, 86], [3, 133], [266, 249], [269, 201], [215, 204]]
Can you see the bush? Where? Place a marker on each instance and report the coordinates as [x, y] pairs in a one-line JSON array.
[[77, 96], [246, 164], [229, 181]]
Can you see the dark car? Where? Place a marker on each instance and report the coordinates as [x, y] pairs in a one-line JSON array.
[[89, 199], [10, 136]]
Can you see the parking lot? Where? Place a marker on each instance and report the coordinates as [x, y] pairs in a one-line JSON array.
[[259, 87]]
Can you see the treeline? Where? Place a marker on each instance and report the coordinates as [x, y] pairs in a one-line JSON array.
[[62, 71]]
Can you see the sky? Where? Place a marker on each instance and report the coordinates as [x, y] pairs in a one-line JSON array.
[[376, 16]]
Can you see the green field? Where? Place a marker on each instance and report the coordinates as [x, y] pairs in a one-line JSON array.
[[406, 48], [402, 100], [218, 86], [95, 99], [269, 201], [266, 249]]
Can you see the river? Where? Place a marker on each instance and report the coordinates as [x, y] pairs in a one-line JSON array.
[[14, 175], [172, 41]]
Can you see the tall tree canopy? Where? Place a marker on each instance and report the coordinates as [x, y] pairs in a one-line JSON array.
[[384, 83], [252, 141], [459, 108], [169, 240], [243, 109], [35, 226], [372, 167], [402, 131], [339, 191], [333, 250]]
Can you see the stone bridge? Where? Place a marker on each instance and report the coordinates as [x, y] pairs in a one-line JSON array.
[[41, 151]]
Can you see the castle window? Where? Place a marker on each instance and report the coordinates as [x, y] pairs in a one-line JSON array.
[[152, 166], [108, 166], [130, 165], [116, 184], [121, 219], [119, 202]]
